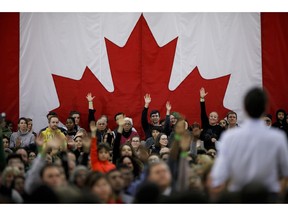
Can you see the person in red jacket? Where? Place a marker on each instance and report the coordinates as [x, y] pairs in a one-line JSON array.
[[99, 154]]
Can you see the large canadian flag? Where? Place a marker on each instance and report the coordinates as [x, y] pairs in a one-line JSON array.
[[50, 61]]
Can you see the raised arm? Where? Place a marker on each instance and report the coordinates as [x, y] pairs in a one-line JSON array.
[[91, 110], [93, 149], [167, 126], [204, 117], [116, 151], [144, 121]]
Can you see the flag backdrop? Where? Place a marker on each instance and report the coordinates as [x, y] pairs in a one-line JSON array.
[[50, 61]]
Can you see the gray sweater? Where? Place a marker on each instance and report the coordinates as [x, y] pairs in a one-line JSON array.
[[27, 138]]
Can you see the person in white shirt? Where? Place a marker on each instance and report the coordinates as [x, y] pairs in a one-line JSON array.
[[252, 153]]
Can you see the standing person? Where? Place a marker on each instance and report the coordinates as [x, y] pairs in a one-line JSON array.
[[252, 153], [154, 117], [30, 126], [232, 119], [21, 138], [211, 130]]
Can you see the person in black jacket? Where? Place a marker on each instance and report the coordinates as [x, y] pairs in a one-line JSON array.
[[154, 118], [211, 130]]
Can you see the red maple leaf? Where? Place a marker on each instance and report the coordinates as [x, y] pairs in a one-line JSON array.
[[139, 67]]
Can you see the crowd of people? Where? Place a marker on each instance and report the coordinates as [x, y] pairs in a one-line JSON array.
[[215, 161]]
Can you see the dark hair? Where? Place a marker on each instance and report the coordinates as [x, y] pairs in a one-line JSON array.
[[231, 112], [14, 156], [255, 102], [23, 118], [105, 146], [137, 164], [6, 137], [73, 112], [72, 119], [158, 128], [157, 140], [128, 143], [29, 119], [119, 113], [94, 177], [51, 113], [268, 116], [154, 112]]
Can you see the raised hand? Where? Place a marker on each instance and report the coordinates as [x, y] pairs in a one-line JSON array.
[[120, 121], [168, 106], [203, 93], [147, 100], [93, 126], [90, 97]]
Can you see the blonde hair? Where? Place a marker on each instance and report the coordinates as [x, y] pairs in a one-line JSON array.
[[9, 170]]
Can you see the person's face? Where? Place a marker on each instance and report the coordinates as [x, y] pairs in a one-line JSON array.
[[232, 119], [267, 121], [153, 159], [53, 124], [23, 125], [163, 140], [127, 176], [10, 126], [103, 155], [30, 124], [135, 142], [31, 157], [19, 185], [280, 115], [173, 120], [102, 189], [9, 179], [23, 154], [80, 178], [165, 157], [16, 162], [143, 155], [222, 123], [101, 125], [48, 159], [77, 118], [196, 131], [127, 126], [5, 143], [160, 175], [155, 133], [116, 181], [69, 124], [126, 151], [52, 177], [155, 118], [213, 118], [79, 142], [128, 163]]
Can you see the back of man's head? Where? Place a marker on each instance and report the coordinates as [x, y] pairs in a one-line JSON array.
[[255, 102]]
